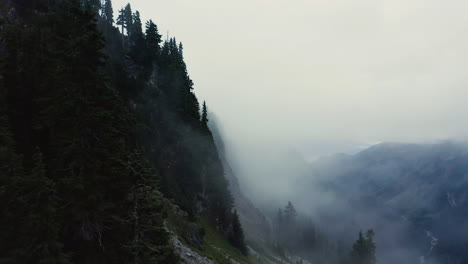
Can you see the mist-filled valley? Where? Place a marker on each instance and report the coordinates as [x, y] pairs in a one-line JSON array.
[[412, 195], [246, 132]]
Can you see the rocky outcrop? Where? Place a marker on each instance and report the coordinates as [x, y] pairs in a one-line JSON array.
[[186, 254], [191, 232]]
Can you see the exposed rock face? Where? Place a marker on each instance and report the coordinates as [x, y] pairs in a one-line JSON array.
[[187, 255], [193, 234]]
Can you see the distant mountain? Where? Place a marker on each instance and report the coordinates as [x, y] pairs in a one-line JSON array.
[[414, 196]]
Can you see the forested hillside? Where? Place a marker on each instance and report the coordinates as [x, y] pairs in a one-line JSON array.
[[99, 122]]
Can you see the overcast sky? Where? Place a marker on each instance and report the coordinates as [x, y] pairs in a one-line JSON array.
[[325, 75]]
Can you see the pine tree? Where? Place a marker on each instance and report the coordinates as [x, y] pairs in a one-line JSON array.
[[128, 18], [137, 25], [95, 5], [41, 225], [236, 236], [146, 218], [290, 214], [153, 40], [137, 41], [29, 226], [287, 234], [87, 196], [108, 12], [87, 124], [359, 250], [371, 247], [204, 117], [363, 251], [121, 20]]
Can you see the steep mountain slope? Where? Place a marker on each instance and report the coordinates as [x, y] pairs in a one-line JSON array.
[[253, 220], [261, 239], [100, 127]]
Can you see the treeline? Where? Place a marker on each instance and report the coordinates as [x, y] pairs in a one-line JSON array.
[[296, 234], [98, 120]]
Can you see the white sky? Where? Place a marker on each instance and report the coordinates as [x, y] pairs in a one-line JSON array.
[[325, 75]]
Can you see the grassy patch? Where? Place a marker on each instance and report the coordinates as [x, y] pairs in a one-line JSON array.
[[216, 247]]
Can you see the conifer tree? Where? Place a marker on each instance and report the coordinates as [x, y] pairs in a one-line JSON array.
[[371, 247], [153, 40], [95, 5], [121, 20], [88, 147], [41, 225], [128, 19], [108, 12], [237, 234], [290, 214], [109, 207], [137, 25], [363, 251], [359, 250], [146, 218], [137, 40], [204, 117]]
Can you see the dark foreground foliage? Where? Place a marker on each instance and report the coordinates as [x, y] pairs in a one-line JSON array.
[[96, 124]]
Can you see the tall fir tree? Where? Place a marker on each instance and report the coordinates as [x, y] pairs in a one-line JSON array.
[[121, 20], [149, 243], [128, 19], [153, 40], [108, 12], [290, 214], [236, 235], [204, 117]]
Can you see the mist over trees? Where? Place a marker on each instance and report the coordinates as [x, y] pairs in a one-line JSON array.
[[98, 123], [298, 235], [363, 251], [102, 135]]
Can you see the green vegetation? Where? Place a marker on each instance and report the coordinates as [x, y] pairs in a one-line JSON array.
[[215, 247], [103, 142], [97, 125]]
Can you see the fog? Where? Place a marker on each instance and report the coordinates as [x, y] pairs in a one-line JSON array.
[[291, 81], [322, 77], [325, 72]]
